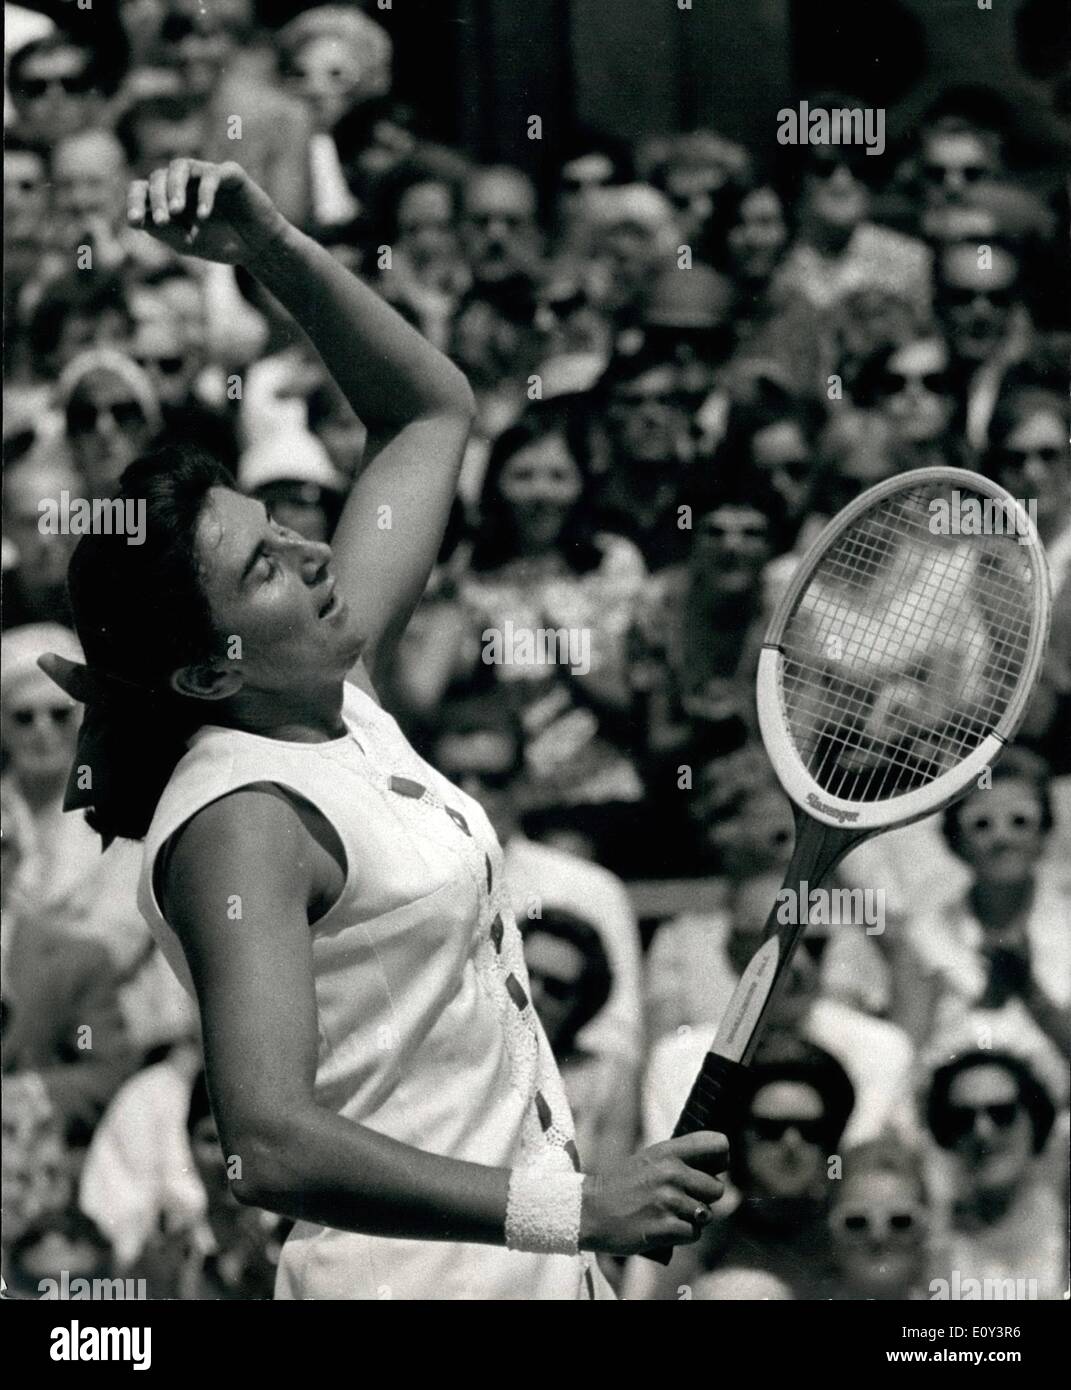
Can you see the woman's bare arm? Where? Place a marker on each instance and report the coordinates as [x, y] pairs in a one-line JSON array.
[[416, 404], [253, 971]]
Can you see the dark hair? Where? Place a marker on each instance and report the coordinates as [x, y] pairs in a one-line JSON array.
[[495, 538], [714, 245], [1032, 1095], [1016, 763], [596, 981], [157, 106], [718, 483], [88, 295], [783, 1056], [140, 613]]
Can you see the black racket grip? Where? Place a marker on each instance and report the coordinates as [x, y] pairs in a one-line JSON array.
[[714, 1103]]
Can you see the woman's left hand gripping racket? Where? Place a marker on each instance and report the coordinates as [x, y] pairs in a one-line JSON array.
[[895, 670]]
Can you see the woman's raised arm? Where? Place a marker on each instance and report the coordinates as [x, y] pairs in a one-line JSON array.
[[416, 404]]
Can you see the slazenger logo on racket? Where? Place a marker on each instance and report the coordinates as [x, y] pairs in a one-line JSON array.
[[833, 811]]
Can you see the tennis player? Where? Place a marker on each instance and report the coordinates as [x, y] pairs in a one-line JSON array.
[[376, 1068]]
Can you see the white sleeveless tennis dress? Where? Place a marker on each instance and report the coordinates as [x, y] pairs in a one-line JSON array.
[[426, 1032]]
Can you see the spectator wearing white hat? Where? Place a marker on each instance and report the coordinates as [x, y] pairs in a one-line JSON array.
[[292, 474]]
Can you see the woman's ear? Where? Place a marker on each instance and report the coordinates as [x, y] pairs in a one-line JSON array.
[[207, 680]]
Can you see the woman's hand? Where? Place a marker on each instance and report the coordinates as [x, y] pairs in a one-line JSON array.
[[656, 1198], [213, 211]]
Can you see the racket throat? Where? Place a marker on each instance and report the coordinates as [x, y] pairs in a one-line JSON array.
[[818, 851]]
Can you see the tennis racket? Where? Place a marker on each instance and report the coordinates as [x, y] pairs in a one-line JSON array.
[[897, 667]]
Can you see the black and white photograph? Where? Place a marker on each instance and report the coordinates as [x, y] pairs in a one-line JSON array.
[[535, 700]]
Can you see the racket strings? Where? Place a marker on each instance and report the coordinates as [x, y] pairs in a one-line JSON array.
[[904, 649]]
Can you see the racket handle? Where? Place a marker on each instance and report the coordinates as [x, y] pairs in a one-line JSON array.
[[713, 1104]]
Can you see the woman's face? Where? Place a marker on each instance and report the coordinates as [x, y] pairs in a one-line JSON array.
[[759, 235], [1000, 835], [1035, 463], [275, 592], [992, 1133], [833, 194], [328, 74], [541, 485], [107, 429], [40, 729], [784, 1141], [915, 398], [879, 1234]]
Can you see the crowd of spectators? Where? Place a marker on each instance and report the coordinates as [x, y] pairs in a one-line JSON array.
[[687, 356]]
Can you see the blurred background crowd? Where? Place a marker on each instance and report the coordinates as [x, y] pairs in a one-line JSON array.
[[689, 350]]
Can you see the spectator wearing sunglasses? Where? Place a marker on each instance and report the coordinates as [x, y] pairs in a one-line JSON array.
[[59, 85], [792, 1111], [992, 1114], [337, 62], [111, 414], [997, 955], [1028, 454], [39, 726], [880, 1223], [837, 247], [911, 385], [979, 303], [957, 162], [173, 364]]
